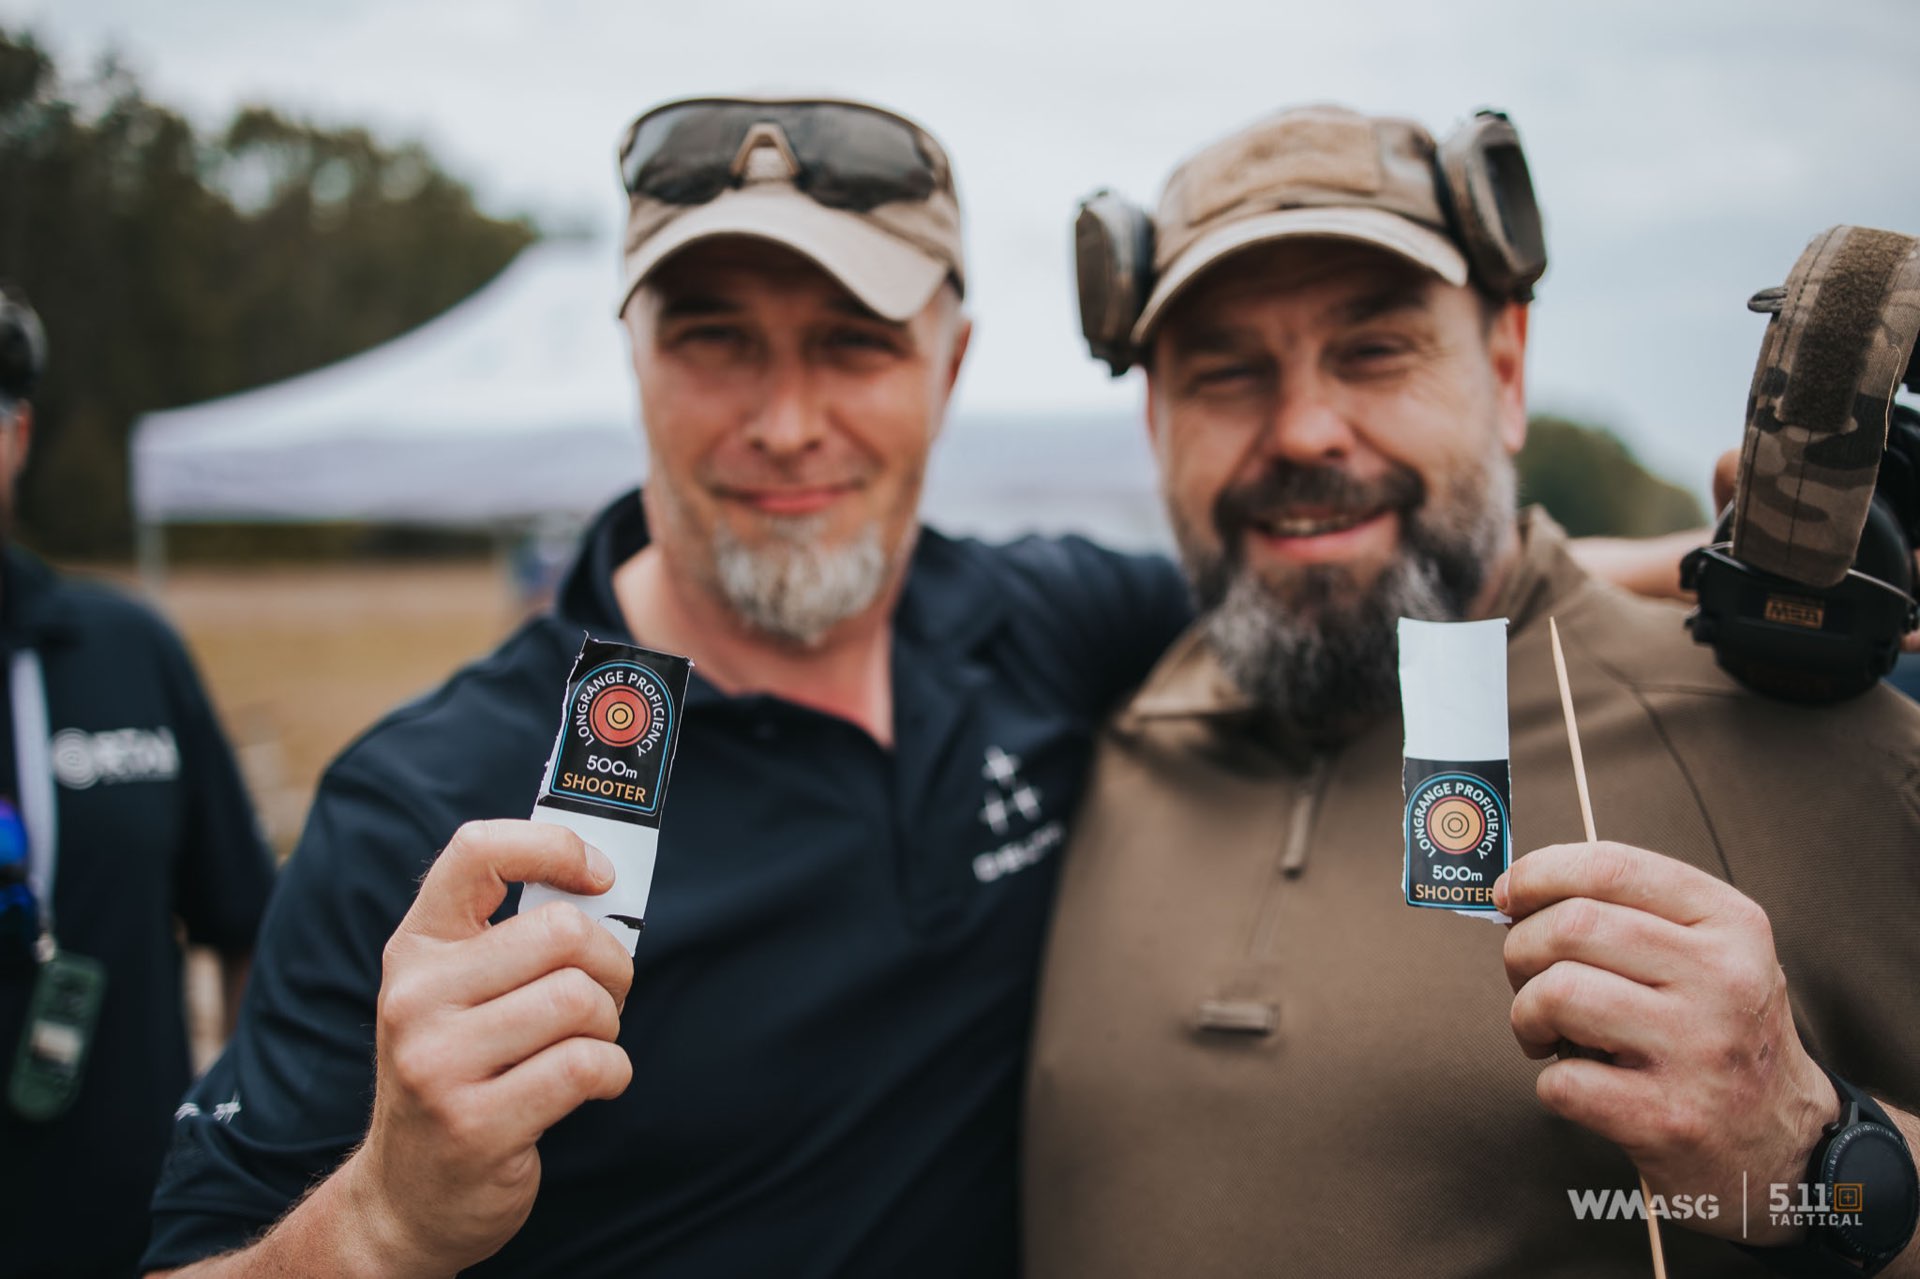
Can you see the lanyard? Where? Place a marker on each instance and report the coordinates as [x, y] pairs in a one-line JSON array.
[[31, 751]]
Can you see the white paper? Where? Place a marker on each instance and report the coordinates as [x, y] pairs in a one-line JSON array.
[[629, 847], [1453, 698], [618, 731], [1453, 688]]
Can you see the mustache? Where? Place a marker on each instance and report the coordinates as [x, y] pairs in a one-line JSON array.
[[832, 468], [1285, 487]]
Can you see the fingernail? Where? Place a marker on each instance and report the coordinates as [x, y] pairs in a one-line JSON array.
[[1500, 892], [600, 865]]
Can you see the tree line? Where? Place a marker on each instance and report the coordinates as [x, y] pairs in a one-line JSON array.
[[172, 264]]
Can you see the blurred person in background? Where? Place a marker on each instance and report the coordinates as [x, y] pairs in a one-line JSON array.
[[122, 816]]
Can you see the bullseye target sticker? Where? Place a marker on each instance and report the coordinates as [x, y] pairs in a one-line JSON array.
[[1456, 831], [606, 780], [1453, 700], [622, 718], [1457, 824], [619, 715]]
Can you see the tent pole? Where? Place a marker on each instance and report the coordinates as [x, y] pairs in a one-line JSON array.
[[150, 553]]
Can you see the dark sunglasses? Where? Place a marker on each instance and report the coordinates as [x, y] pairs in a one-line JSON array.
[[849, 156]]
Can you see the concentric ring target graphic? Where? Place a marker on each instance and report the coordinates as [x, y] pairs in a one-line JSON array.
[[619, 716], [1456, 825]]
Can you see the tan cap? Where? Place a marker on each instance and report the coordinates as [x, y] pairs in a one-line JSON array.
[[1320, 171], [892, 256]]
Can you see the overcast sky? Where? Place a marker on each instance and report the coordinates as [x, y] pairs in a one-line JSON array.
[[1684, 150]]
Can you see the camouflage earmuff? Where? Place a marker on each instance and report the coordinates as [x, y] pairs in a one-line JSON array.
[[23, 348], [1842, 330], [1809, 582], [1480, 179]]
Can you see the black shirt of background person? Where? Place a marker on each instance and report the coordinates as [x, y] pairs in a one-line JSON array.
[[147, 836]]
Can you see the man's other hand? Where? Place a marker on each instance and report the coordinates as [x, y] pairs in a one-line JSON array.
[[1672, 974]]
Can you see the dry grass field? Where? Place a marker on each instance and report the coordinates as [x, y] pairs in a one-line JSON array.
[[300, 659]]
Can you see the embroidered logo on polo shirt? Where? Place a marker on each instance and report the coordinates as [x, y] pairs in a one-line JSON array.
[[82, 759], [223, 1113], [1008, 797], [1006, 793]]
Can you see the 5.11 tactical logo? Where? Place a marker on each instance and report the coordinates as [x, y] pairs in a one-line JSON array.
[[614, 749]]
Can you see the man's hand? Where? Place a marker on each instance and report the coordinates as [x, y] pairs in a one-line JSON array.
[[487, 1036], [1672, 973]]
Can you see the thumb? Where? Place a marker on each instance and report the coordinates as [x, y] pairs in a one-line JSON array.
[[468, 881]]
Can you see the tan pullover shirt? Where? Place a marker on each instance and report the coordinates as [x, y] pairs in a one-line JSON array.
[[1252, 1058]]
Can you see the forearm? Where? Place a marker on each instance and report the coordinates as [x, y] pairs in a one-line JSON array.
[[334, 1230], [1645, 566]]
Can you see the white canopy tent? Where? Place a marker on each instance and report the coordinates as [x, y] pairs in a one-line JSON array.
[[519, 403]]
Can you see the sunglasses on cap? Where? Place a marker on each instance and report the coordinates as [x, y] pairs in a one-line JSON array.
[[845, 155]]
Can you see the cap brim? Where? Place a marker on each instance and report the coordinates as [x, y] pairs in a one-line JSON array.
[[886, 273], [1388, 231]]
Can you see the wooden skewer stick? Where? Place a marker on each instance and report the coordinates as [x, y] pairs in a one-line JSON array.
[[1586, 817]]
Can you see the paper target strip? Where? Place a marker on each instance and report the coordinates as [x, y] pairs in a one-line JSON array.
[[1457, 827]]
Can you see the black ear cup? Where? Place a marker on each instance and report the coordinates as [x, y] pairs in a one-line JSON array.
[[1487, 190], [1113, 267], [1801, 644]]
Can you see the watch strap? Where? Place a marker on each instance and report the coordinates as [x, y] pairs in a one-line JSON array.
[[1815, 1257]]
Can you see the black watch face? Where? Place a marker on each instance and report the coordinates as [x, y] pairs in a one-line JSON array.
[[1874, 1196]]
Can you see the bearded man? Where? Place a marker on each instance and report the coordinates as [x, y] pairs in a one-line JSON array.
[[1251, 1056]]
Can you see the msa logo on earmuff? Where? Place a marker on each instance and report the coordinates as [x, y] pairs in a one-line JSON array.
[[1480, 196]]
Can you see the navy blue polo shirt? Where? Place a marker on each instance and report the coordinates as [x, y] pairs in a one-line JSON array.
[[154, 829], [832, 997]]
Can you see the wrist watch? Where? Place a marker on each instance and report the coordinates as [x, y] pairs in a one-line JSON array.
[[1869, 1191]]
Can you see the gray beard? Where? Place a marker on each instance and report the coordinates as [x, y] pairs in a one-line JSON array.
[[1323, 663], [795, 589]]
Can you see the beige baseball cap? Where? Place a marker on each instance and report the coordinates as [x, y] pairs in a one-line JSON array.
[[865, 193], [1320, 171]]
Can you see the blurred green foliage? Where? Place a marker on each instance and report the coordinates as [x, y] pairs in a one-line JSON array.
[[171, 267], [1593, 485]]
